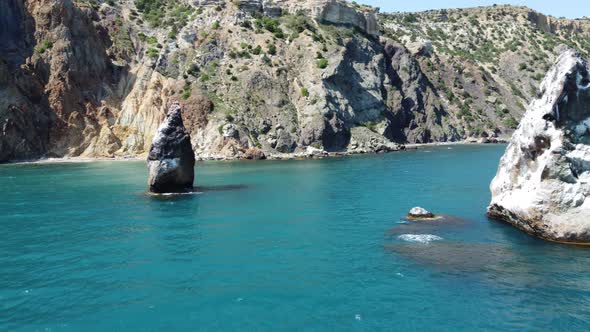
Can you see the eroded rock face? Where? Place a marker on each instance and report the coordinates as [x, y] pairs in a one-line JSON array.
[[340, 12], [543, 179], [419, 213], [171, 160], [81, 80], [336, 12], [416, 109]]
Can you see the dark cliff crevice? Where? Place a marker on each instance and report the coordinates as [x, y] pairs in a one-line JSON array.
[[415, 111], [16, 33], [347, 83]]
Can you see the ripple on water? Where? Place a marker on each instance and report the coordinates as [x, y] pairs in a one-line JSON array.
[[419, 238]]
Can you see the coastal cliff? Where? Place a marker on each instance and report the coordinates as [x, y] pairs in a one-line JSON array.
[[543, 180], [265, 78]]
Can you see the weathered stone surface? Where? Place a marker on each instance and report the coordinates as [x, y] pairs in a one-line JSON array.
[[171, 160], [338, 12], [422, 47], [543, 179], [365, 140], [250, 5], [417, 111], [419, 213], [253, 154]]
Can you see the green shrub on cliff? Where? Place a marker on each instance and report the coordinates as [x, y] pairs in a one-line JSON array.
[[257, 50], [44, 46], [156, 11], [410, 18], [267, 23], [370, 125], [298, 23], [322, 63], [153, 11], [153, 53], [511, 122], [272, 49]]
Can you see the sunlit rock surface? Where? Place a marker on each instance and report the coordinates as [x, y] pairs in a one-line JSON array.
[[419, 213], [543, 179]]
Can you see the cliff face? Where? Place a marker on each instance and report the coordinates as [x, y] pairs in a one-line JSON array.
[[55, 76], [486, 63], [543, 178], [95, 79], [24, 123]]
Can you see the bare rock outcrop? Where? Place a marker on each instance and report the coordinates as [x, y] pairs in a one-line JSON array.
[[543, 180], [340, 12], [420, 214], [336, 12], [171, 160]]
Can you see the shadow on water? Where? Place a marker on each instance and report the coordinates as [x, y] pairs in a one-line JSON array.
[[196, 191], [456, 257], [428, 226], [228, 187], [514, 260], [439, 254]]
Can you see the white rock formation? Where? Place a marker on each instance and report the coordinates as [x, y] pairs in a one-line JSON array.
[[543, 180], [419, 213], [336, 12]]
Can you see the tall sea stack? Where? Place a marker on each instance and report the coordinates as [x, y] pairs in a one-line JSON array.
[[171, 160], [543, 181]]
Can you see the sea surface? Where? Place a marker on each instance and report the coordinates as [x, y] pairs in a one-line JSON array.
[[313, 245]]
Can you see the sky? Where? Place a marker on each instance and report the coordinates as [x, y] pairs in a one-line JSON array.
[[557, 8]]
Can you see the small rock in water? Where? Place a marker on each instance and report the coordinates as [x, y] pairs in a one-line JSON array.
[[171, 160], [419, 213]]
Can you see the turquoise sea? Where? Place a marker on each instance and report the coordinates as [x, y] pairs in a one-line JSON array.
[[313, 245]]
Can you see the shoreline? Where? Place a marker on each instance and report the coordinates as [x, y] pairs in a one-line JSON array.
[[286, 156]]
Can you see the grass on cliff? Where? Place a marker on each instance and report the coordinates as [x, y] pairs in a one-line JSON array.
[[172, 13], [44, 46], [322, 63]]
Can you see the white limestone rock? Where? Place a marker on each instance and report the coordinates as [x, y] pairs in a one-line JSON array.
[[421, 47], [419, 213], [543, 180], [337, 12]]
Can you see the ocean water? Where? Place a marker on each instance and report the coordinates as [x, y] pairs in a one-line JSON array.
[[315, 245]]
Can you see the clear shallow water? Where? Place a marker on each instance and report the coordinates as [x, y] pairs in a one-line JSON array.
[[278, 245]]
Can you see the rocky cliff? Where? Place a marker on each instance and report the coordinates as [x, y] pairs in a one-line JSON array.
[[543, 180], [260, 77], [486, 63]]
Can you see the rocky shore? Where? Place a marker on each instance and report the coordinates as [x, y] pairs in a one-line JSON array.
[[312, 154]]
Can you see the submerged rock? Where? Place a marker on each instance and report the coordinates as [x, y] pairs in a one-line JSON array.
[[171, 160], [543, 179], [419, 213]]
